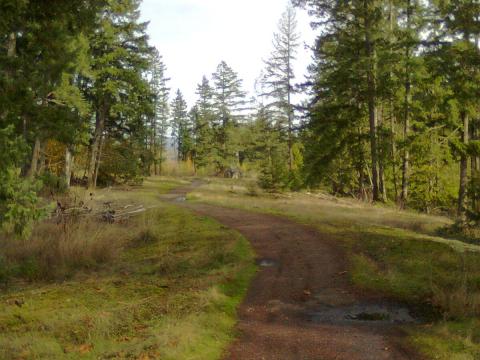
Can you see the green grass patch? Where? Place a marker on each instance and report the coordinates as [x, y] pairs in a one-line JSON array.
[[457, 340], [171, 292]]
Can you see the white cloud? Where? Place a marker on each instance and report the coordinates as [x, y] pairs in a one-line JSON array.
[[195, 35]]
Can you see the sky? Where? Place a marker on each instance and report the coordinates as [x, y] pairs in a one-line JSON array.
[[193, 36]]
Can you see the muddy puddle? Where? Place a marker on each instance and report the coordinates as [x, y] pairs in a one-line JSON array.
[[266, 263], [364, 313]]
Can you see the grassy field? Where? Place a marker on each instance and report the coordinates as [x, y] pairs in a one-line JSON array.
[[395, 253], [163, 285]]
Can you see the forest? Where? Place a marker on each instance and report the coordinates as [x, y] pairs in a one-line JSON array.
[[391, 113], [388, 116]]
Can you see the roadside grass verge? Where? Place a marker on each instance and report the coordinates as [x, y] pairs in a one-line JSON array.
[[393, 253], [59, 248], [169, 291]]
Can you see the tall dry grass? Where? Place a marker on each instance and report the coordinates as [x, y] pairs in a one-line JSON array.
[[58, 251]]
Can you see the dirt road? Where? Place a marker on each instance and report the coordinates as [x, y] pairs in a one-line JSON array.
[[300, 305]]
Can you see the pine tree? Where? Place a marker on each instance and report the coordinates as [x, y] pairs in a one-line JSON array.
[[204, 123], [269, 150], [160, 121], [344, 107], [41, 57], [181, 127], [279, 76], [460, 56], [229, 106], [120, 94]]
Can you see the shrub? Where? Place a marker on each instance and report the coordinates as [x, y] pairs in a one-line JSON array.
[[18, 198], [121, 163], [4, 270], [253, 189], [19, 207], [53, 184]]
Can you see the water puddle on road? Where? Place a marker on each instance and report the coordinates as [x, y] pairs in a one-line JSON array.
[[266, 263], [365, 313]]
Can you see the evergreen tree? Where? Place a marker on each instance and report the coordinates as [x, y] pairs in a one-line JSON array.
[[344, 107], [269, 150], [18, 198], [41, 56], [229, 109], [160, 121], [119, 92], [204, 123], [459, 58], [182, 128], [279, 76]]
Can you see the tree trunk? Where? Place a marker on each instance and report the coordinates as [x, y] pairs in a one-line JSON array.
[[290, 125], [476, 166], [33, 171], [394, 154], [42, 162], [462, 193], [12, 45], [98, 161], [406, 118], [69, 159], [97, 139], [372, 105], [473, 166], [10, 71], [392, 109], [154, 146], [161, 149], [381, 159], [361, 183]]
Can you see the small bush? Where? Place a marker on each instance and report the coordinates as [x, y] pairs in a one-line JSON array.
[[52, 184], [145, 237], [5, 271], [19, 208], [120, 164], [18, 199], [253, 189]]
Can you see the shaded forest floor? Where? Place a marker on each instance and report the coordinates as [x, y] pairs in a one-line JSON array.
[[391, 254]]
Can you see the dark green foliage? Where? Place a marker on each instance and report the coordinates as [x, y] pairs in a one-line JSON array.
[[18, 197], [182, 128], [204, 126], [52, 184], [271, 152], [160, 120], [122, 97], [121, 163], [391, 102], [278, 87], [229, 105]]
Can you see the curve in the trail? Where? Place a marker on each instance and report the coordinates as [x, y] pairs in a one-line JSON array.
[[300, 304]]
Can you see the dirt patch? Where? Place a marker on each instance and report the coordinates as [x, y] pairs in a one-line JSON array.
[[300, 305]]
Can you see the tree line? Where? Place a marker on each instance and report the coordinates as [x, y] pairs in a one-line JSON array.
[[391, 115], [394, 110]]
